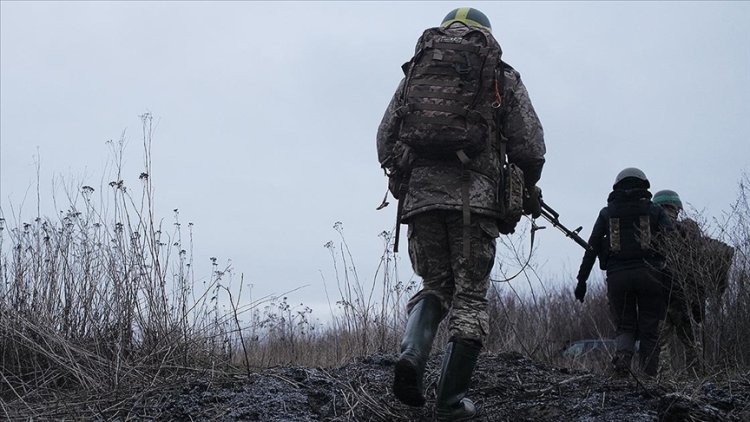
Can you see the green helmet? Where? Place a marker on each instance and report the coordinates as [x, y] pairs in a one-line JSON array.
[[469, 17], [668, 197], [631, 173]]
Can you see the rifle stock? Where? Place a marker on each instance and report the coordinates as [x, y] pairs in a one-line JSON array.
[[554, 218]]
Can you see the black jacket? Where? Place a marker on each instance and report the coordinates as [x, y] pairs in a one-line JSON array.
[[629, 202]]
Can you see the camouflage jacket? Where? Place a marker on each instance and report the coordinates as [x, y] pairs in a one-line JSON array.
[[435, 185]]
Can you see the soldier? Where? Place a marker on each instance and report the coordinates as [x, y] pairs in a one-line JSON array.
[[455, 205], [697, 266], [625, 238]]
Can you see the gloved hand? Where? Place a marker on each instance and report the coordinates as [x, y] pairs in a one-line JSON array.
[[507, 227], [531, 204], [580, 291]]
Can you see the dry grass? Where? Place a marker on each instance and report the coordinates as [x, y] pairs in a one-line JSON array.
[[101, 297]]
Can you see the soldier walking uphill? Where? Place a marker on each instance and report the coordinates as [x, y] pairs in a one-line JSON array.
[[625, 238], [697, 267], [456, 117]]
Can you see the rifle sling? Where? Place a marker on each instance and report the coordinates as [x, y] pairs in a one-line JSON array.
[[399, 212]]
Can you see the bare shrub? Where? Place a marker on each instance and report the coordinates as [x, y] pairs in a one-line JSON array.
[[367, 318], [727, 320], [102, 296]]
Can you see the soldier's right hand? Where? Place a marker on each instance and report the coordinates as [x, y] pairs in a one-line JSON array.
[[531, 202]]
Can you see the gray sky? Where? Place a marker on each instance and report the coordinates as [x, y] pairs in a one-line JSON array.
[[267, 113]]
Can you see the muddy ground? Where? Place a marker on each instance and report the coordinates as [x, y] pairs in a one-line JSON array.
[[506, 387]]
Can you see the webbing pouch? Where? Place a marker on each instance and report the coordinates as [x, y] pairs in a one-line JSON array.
[[511, 197]]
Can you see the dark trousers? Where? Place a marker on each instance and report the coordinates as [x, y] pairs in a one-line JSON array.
[[637, 305]]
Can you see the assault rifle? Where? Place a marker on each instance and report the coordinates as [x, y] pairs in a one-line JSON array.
[[554, 217]]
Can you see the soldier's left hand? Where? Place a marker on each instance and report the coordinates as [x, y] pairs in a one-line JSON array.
[[580, 291]]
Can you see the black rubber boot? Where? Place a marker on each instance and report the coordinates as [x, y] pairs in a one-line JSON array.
[[458, 364], [423, 322]]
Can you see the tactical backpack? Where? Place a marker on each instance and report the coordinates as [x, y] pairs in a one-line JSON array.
[[448, 110], [451, 90]]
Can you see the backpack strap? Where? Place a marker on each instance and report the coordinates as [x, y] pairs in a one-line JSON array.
[[502, 145]]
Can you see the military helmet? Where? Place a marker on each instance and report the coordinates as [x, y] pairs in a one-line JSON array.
[[668, 197], [632, 173], [468, 16]]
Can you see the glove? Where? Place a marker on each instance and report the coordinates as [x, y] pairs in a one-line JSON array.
[[506, 227], [580, 291], [531, 204]]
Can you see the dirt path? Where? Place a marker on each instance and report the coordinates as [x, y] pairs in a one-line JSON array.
[[506, 387]]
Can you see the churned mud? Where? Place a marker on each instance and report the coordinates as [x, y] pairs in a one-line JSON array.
[[506, 387]]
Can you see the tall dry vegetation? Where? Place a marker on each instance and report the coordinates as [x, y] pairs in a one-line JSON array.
[[104, 297], [727, 302]]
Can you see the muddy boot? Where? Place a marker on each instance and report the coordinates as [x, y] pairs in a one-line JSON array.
[[458, 364], [423, 322]]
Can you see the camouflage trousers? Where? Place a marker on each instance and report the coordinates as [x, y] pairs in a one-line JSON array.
[[678, 326], [459, 282]]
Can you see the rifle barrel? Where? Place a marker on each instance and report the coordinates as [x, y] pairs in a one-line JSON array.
[[549, 209], [552, 216]]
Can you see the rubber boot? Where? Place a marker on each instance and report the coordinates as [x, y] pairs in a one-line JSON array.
[[458, 364], [421, 326], [623, 354]]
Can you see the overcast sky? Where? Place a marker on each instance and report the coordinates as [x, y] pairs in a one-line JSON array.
[[267, 113]]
